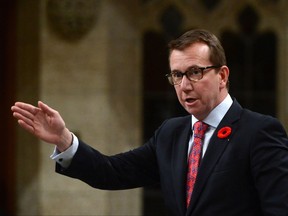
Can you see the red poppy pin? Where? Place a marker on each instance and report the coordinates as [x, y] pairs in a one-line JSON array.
[[224, 132]]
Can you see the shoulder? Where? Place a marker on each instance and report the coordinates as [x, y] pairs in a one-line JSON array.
[[258, 117], [172, 126], [249, 115], [176, 122], [262, 121]]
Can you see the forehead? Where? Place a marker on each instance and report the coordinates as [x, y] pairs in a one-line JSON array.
[[197, 54]]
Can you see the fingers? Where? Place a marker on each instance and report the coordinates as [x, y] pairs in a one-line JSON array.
[[25, 114], [29, 111], [28, 107], [24, 109]]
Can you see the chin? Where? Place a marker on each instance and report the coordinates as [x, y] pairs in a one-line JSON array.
[[190, 111]]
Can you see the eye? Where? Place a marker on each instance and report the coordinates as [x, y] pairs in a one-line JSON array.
[[194, 71], [177, 74]]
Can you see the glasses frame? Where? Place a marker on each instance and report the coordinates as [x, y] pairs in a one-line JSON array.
[[202, 69]]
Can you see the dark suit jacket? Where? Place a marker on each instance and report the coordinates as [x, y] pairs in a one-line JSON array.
[[244, 174]]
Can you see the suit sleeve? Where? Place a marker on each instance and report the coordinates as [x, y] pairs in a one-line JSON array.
[[269, 166], [135, 168]]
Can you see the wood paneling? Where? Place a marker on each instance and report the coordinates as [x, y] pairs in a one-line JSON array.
[[7, 97]]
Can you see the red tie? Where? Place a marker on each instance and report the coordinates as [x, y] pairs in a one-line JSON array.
[[194, 157]]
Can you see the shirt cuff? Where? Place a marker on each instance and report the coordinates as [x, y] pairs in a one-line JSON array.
[[65, 158]]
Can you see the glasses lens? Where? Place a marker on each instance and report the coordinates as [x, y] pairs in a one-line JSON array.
[[194, 73], [176, 77]]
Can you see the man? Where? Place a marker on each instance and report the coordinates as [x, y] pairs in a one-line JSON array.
[[235, 163]]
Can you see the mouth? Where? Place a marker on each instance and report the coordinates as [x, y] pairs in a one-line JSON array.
[[190, 100]]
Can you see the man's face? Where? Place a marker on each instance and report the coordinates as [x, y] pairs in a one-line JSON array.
[[200, 97]]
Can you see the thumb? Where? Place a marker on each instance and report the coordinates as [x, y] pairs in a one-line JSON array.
[[45, 108]]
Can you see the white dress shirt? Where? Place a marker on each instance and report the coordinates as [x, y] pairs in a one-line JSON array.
[[213, 120], [65, 158]]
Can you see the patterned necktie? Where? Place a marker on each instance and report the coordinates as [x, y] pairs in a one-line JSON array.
[[194, 158]]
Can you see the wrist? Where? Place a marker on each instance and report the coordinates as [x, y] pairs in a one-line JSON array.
[[66, 141]]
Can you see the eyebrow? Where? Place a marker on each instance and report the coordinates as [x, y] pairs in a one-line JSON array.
[[193, 66]]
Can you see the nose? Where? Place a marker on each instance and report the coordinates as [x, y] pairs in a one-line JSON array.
[[186, 84]]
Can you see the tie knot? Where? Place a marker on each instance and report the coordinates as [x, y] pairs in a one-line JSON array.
[[200, 129]]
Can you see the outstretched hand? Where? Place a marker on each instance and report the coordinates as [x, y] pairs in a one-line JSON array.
[[43, 122]]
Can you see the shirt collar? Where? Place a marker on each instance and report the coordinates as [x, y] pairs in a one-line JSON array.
[[217, 114]]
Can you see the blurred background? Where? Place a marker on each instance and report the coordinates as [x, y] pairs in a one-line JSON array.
[[102, 65]]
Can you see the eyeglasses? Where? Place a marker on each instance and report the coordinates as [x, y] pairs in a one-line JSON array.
[[193, 74]]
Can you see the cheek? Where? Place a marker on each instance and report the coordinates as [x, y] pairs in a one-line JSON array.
[[178, 93], [209, 92]]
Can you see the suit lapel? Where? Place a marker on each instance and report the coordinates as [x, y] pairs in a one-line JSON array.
[[215, 150], [179, 163]]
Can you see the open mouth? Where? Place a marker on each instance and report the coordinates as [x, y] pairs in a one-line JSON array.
[[190, 100]]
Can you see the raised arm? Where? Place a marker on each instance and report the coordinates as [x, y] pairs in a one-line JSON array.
[[44, 123]]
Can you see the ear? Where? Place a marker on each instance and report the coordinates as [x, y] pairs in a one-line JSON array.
[[223, 76]]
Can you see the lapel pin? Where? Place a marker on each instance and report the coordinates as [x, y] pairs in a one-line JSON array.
[[224, 132]]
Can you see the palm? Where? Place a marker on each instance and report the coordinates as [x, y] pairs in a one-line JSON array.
[[48, 127]]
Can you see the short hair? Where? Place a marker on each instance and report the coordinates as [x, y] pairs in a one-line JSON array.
[[217, 53]]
